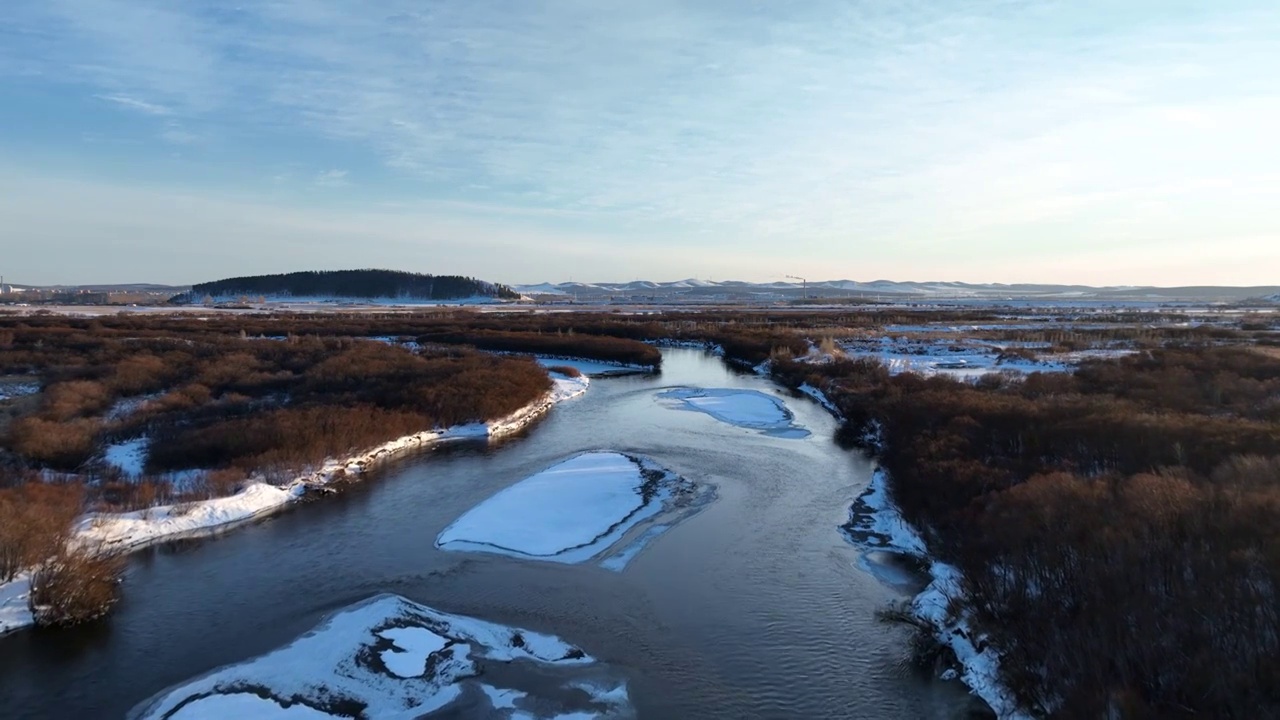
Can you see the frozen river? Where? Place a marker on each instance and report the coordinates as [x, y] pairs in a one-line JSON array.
[[753, 607]]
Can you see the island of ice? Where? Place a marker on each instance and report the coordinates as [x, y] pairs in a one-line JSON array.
[[576, 510], [388, 657], [743, 408]]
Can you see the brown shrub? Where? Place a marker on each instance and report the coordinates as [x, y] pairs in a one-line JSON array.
[[75, 586], [76, 398], [35, 522], [60, 445], [140, 374]]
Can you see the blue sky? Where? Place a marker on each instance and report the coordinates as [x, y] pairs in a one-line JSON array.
[[1128, 142]]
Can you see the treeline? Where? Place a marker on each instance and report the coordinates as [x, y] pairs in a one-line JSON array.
[[595, 347], [1118, 529], [354, 284], [213, 401]]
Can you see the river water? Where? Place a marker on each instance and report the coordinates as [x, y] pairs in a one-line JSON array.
[[754, 608]]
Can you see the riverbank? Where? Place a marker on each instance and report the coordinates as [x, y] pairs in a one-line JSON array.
[[877, 525], [130, 531]]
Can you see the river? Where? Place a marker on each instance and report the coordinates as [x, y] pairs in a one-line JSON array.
[[754, 608]]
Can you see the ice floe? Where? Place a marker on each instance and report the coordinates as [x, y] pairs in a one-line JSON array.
[[744, 408], [389, 657], [576, 510]]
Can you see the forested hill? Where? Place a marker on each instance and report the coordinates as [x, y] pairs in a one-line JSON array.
[[355, 284]]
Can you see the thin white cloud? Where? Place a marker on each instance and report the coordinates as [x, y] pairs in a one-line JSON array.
[[135, 104]]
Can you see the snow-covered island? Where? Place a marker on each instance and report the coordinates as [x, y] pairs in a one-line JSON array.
[[577, 510], [389, 657], [750, 409]]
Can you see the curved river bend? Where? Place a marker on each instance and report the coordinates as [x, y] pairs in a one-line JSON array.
[[752, 608]]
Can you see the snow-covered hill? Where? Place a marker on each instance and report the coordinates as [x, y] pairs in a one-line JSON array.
[[890, 290]]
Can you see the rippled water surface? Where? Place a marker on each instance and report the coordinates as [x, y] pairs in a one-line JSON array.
[[753, 608]]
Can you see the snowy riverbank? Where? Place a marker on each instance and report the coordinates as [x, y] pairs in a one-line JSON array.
[[877, 525], [134, 530]]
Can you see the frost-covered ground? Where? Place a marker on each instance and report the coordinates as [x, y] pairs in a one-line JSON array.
[[14, 612], [576, 510], [876, 525], [964, 357], [743, 408], [388, 657], [10, 390], [128, 457]]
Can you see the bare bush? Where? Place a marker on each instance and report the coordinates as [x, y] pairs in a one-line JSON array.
[[35, 522], [75, 586]]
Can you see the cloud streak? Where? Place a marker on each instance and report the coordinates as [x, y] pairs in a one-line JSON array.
[[136, 105]]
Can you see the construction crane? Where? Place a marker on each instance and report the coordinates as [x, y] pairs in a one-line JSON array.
[[804, 285]]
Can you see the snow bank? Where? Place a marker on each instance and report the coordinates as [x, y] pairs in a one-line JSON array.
[[397, 659], [875, 521], [131, 530], [981, 668], [14, 613], [573, 511], [876, 524], [822, 399], [135, 529], [743, 408]]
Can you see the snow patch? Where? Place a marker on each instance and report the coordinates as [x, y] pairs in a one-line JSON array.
[[822, 399], [9, 391], [744, 408], [434, 657], [573, 511], [875, 520], [14, 613], [246, 705], [129, 456], [413, 645]]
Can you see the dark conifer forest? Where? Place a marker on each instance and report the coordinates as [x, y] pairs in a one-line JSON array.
[[367, 284]]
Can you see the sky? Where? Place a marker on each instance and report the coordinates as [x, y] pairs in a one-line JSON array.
[[1125, 142]]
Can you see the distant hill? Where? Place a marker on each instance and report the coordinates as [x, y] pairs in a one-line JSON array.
[[360, 284], [896, 291]]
